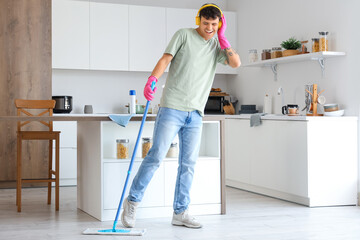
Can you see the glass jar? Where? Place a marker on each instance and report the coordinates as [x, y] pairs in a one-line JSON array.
[[146, 145], [173, 151], [315, 45], [276, 52], [253, 56], [323, 41], [122, 147], [266, 54]]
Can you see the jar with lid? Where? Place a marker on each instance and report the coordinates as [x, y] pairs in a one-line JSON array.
[[122, 146], [173, 151], [323, 41], [266, 54], [315, 45], [253, 56], [146, 145], [276, 52]]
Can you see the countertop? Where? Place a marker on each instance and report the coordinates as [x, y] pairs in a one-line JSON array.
[[281, 117], [151, 117]]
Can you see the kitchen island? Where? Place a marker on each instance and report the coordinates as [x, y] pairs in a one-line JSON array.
[[101, 176]]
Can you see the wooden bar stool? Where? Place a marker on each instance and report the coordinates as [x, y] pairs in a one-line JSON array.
[[25, 107]]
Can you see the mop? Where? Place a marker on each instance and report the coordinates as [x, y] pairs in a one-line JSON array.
[[124, 231]]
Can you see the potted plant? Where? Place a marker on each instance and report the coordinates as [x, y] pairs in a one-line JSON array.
[[291, 45]]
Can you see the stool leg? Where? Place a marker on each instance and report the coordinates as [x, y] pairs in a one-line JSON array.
[[50, 168], [18, 175], [57, 173]]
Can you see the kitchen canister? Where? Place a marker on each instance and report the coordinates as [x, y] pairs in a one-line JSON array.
[[122, 148], [323, 41], [146, 145], [173, 151], [253, 56]]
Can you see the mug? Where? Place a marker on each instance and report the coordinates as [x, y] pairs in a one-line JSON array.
[[88, 109], [290, 109]]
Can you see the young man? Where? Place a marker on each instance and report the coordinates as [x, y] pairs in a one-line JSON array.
[[194, 54]]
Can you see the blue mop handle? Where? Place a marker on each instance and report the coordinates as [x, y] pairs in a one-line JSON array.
[[132, 160]]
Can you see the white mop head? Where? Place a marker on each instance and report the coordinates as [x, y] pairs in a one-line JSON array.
[[122, 231]]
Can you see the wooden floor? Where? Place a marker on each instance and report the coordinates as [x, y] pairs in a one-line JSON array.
[[249, 216]]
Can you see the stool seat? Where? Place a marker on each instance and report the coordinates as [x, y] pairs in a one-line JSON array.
[[25, 107]]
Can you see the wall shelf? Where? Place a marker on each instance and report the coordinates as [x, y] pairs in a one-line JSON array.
[[318, 56]]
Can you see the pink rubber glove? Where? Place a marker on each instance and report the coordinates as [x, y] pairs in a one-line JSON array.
[[224, 43], [148, 92]]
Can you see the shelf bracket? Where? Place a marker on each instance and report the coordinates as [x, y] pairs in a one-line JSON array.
[[322, 65], [274, 69]]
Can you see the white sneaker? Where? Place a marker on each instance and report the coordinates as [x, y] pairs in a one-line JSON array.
[[128, 216], [184, 219]]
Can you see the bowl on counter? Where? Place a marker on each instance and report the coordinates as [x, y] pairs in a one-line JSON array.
[[331, 107], [337, 113]]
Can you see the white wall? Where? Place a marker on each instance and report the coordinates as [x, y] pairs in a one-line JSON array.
[[108, 91], [265, 24]]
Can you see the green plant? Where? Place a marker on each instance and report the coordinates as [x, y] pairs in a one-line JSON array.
[[291, 43]]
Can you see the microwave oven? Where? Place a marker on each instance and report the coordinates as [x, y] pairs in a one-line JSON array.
[[214, 105]]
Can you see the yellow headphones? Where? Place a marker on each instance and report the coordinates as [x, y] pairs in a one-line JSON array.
[[197, 18]]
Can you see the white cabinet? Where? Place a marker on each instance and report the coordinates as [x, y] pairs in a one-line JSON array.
[[231, 35], [102, 176], [311, 162], [173, 24], [105, 35], [109, 30], [68, 152], [70, 34], [147, 37]]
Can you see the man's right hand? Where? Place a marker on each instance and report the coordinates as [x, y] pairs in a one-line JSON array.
[[148, 92]]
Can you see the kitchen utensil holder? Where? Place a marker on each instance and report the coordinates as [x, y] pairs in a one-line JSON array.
[[314, 102]]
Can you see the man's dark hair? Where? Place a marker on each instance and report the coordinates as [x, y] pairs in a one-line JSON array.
[[210, 12]]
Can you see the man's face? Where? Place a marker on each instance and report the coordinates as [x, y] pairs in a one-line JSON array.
[[208, 27]]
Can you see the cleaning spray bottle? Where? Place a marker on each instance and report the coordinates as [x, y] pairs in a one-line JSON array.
[[132, 102]]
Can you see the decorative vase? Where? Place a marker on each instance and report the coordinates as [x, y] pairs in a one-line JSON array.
[[290, 52]]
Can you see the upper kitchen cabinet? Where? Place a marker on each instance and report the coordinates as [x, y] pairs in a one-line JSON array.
[[231, 34], [70, 34], [178, 18], [109, 30], [147, 37]]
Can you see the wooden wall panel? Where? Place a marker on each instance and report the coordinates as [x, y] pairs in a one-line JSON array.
[[25, 72]]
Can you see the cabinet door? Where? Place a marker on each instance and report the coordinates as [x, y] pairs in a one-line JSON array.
[[114, 175], [231, 35], [173, 24], [146, 37], [109, 32], [206, 183], [237, 151], [70, 34]]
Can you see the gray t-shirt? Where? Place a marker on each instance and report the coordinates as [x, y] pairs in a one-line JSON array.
[[192, 70]]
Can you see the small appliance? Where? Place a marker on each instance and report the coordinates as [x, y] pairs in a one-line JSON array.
[[215, 105], [63, 104]]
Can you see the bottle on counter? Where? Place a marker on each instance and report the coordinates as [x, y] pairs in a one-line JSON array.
[[267, 104], [132, 105], [122, 147], [146, 145]]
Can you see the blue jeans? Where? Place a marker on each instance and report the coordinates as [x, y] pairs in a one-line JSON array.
[[170, 122]]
